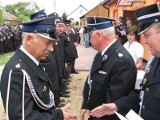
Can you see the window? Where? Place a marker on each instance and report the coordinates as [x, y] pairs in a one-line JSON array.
[[123, 3], [81, 12]]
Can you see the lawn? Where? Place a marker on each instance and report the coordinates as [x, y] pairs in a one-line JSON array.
[[5, 57]]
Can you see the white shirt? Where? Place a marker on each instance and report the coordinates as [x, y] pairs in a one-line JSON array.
[[29, 55], [135, 49]]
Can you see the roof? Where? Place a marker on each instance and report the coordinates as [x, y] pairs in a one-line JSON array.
[[77, 9], [8, 16]]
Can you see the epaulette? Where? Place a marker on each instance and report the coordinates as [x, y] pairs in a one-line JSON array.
[[18, 65], [119, 53]]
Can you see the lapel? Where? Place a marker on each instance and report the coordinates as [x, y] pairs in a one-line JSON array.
[[30, 63], [111, 49], [151, 77], [99, 59], [97, 62]]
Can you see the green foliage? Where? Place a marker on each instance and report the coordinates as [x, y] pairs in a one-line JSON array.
[[22, 10], [1, 16], [64, 16], [5, 57], [77, 22]]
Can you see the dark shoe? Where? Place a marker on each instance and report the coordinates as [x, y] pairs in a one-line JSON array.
[[60, 105], [65, 95], [75, 72], [66, 83], [68, 80], [64, 80], [67, 92], [62, 100]]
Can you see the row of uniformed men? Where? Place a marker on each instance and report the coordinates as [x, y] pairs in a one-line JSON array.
[[60, 63], [10, 38]]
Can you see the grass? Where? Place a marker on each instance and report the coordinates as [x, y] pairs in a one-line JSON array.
[[5, 57]]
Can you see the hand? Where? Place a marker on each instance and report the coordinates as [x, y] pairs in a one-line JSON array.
[[104, 109], [66, 65], [83, 113], [75, 44], [68, 116]]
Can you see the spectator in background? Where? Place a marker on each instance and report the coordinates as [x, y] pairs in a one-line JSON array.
[[134, 47], [86, 37], [121, 31]]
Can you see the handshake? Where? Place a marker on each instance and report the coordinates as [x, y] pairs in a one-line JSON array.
[[109, 109]]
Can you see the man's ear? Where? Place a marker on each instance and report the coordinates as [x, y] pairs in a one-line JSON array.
[[99, 34], [29, 39]]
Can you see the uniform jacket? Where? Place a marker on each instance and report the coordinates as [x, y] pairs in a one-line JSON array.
[[51, 68], [113, 75], [150, 109], [70, 52], [40, 82], [58, 52]]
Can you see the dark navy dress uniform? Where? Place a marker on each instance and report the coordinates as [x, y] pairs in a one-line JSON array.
[[150, 108], [25, 86], [41, 84], [112, 74]]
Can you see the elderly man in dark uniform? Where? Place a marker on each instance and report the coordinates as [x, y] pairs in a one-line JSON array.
[[148, 18], [113, 72], [25, 87]]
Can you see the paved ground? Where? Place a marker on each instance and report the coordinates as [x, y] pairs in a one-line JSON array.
[[85, 59]]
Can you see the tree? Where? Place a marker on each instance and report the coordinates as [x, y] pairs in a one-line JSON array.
[[64, 16], [77, 22], [1, 14], [23, 10]]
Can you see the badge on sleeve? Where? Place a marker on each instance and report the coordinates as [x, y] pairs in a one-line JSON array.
[[18, 65], [120, 55]]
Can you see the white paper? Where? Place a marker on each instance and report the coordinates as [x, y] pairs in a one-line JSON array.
[[131, 115]]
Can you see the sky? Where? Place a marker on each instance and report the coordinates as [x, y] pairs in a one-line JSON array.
[[62, 6]]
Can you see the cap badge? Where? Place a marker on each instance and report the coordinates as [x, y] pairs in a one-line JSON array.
[[156, 20]]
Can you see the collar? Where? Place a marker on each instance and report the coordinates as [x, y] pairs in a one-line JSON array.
[[29, 55], [102, 53]]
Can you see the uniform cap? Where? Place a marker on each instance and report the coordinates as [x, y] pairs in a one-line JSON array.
[[97, 23], [38, 14], [147, 16], [54, 15], [41, 26], [67, 22], [128, 18]]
